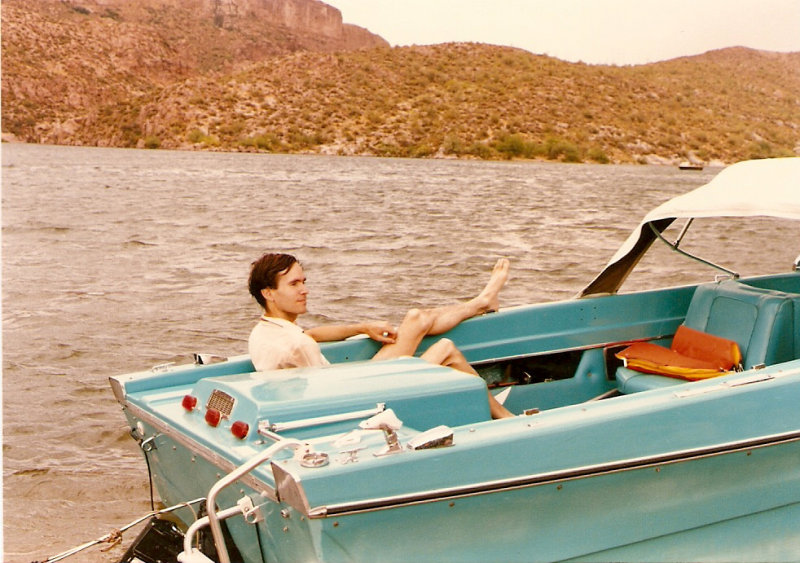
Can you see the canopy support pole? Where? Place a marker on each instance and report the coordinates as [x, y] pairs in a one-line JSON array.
[[674, 247]]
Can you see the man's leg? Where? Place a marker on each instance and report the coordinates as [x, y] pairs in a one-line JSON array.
[[445, 353], [419, 323]]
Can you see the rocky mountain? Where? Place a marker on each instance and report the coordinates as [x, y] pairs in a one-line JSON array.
[[66, 60], [289, 76]]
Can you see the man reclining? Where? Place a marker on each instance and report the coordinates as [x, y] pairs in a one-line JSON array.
[[278, 284]]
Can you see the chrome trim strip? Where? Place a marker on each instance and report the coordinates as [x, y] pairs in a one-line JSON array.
[[198, 449], [536, 480], [734, 380]]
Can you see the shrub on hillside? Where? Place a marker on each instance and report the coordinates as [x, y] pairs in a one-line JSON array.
[[265, 142], [512, 146], [559, 149], [481, 150], [152, 142], [196, 136], [764, 149], [598, 155]]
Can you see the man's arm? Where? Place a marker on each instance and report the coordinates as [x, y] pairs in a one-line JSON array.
[[380, 331]]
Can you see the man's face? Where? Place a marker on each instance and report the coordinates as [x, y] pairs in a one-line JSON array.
[[288, 299]]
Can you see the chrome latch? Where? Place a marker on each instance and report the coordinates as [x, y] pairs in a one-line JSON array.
[[388, 422]]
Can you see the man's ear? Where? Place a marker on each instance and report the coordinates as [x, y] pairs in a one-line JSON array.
[[267, 294]]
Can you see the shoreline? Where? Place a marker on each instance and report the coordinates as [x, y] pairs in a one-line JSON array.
[[640, 160]]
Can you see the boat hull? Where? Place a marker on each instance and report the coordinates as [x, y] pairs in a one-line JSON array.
[[707, 468], [724, 500]]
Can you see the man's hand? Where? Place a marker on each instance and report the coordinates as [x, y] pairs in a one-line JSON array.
[[382, 332]]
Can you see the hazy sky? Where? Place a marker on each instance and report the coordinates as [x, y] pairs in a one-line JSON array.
[[592, 31]]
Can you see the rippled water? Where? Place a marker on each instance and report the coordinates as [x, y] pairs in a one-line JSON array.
[[117, 260]]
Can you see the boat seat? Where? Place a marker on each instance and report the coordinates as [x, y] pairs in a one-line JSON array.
[[761, 321], [632, 381]]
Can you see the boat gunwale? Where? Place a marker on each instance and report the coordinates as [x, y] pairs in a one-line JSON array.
[[536, 480]]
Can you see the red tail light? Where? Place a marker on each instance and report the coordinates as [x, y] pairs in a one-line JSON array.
[[189, 402], [240, 429]]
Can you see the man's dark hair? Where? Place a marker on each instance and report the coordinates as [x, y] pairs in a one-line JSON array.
[[264, 273]]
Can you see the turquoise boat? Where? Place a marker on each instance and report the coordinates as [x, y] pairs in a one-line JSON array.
[[366, 461]]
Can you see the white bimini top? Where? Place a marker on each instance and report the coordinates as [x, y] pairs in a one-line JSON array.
[[768, 187]]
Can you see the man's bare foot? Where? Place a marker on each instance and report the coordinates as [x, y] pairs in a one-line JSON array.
[[497, 410], [489, 299]]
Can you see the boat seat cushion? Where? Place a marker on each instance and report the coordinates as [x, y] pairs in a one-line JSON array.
[[692, 355], [764, 324], [632, 381]]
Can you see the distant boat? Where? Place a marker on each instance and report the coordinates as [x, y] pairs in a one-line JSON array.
[[686, 165]]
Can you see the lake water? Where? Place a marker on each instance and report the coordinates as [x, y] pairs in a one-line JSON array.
[[117, 260]]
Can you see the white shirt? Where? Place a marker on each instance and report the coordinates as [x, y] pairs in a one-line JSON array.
[[277, 343]]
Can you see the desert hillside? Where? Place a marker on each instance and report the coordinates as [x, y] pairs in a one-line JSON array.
[[289, 76], [68, 61]]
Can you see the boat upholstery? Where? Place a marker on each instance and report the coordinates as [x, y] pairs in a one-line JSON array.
[[693, 355], [763, 322], [760, 320]]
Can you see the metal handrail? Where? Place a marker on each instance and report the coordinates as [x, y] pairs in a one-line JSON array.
[[188, 538], [245, 468], [320, 420]]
